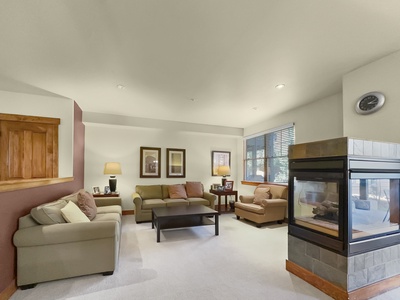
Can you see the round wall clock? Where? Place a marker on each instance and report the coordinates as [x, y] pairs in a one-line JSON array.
[[370, 103]]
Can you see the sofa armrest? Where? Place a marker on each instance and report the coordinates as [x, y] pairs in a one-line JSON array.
[[246, 199], [65, 233], [273, 202], [210, 197], [137, 200]]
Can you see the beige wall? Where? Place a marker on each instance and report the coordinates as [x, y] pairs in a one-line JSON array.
[[382, 75], [106, 142]]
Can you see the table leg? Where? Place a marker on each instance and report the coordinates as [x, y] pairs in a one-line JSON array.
[[152, 219], [216, 224], [219, 204], [158, 230]]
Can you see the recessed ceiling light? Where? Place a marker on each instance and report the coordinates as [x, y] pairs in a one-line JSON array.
[[255, 108], [280, 86], [120, 86], [192, 99]]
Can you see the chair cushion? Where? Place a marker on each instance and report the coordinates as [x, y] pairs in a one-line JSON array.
[[260, 194], [194, 189], [177, 191], [251, 207], [87, 204], [72, 213], [49, 213]]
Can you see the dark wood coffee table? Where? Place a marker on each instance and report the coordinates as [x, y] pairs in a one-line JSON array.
[[183, 216]]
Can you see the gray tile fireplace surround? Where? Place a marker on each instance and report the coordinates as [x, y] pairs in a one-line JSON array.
[[348, 273]]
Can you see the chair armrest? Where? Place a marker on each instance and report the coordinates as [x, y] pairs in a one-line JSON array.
[[273, 203], [137, 200], [210, 197], [65, 233], [246, 199]]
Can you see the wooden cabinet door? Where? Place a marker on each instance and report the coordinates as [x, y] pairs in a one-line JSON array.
[[29, 150]]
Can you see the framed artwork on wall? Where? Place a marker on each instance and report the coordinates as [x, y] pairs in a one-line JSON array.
[[150, 162], [176, 163], [219, 159]]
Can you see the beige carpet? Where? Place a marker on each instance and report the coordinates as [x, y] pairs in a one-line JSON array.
[[243, 262]]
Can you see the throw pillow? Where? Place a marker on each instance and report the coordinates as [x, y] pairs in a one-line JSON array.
[[49, 213], [194, 189], [72, 213], [87, 204], [260, 194], [177, 191]]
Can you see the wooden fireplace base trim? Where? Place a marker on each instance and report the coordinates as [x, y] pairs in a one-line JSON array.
[[339, 293]]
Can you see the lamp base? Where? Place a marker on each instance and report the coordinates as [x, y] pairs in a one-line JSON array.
[[113, 184], [223, 181]]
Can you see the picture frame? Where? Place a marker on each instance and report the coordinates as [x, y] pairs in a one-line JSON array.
[[215, 186], [107, 190], [150, 162], [96, 190], [228, 185], [176, 163], [218, 159]]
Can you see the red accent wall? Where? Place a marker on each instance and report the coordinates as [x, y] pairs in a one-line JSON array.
[[19, 203]]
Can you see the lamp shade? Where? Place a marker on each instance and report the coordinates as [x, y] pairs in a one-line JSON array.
[[224, 170], [112, 168]]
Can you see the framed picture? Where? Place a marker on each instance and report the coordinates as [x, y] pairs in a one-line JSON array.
[[215, 186], [176, 163], [219, 159], [96, 190], [150, 162], [228, 185], [107, 190]]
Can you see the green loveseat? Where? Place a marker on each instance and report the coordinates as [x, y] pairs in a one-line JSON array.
[[147, 197]]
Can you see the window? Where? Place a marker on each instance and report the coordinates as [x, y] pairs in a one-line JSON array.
[[266, 155]]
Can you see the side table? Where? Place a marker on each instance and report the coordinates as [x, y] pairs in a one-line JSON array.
[[226, 194], [107, 199]]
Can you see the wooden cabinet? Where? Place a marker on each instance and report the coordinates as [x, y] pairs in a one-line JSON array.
[[28, 147]]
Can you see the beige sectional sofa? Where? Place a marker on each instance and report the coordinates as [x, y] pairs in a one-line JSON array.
[[147, 197], [268, 204], [50, 248]]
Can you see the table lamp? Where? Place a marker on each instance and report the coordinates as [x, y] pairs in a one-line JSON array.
[[224, 171], [112, 169]]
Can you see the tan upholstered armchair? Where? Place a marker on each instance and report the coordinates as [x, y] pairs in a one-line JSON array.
[[268, 204]]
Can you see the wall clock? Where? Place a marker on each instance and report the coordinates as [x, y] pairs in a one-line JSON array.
[[370, 103]]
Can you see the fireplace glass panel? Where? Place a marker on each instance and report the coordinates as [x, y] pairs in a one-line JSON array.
[[316, 205], [374, 206]]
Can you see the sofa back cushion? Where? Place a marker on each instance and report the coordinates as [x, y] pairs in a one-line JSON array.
[[277, 191], [72, 213], [177, 191], [149, 191], [49, 213], [194, 189]]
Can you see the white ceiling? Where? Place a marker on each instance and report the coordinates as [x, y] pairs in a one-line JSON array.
[[227, 55]]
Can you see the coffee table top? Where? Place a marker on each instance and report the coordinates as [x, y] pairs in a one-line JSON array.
[[183, 211]]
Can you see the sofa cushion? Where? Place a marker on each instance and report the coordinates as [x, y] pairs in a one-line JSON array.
[[108, 217], [260, 194], [87, 204], [176, 202], [151, 203], [198, 201], [177, 191], [109, 209], [72, 213], [149, 191], [194, 189], [49, 213]]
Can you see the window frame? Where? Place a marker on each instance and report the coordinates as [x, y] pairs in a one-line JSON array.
[[266, 156]]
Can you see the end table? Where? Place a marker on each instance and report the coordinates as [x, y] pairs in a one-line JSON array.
[[226, 194]]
